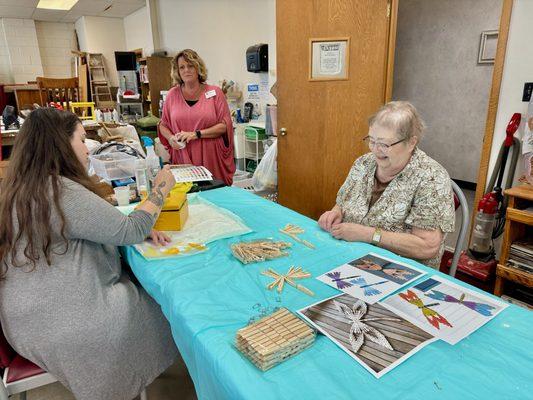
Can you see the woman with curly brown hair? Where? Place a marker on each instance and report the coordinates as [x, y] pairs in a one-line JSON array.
[[196, 126], [65, 303]]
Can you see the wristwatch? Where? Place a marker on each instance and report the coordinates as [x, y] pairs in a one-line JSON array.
[[198, 134], [376, 237]]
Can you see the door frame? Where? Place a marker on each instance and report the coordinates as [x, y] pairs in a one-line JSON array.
[[497, 74], [389, 70]]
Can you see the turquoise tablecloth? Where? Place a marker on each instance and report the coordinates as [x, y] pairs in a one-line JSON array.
[[208, 297]]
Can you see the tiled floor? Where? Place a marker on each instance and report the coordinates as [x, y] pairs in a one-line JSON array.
[[173, 384]]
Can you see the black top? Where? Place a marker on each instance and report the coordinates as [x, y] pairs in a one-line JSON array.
[[191, 102]]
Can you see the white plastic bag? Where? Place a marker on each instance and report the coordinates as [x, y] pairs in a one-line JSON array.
[[266, 174]]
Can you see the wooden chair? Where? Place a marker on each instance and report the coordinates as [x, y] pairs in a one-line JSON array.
[[62, 91], [3, 167]]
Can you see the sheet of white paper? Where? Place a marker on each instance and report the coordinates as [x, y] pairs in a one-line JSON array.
[[335, 317], [371, 277], [206, 223], [330, 59], [444, 309]]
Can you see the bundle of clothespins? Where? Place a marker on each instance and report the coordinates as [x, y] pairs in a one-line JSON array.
[[292, 274], [274, 338], [259, 250], [293, 231]]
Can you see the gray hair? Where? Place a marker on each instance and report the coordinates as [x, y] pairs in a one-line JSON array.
[[400, 116]]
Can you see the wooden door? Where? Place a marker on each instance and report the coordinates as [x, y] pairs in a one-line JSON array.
[[325, 121]]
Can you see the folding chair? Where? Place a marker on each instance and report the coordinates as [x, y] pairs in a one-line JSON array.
[[460, 201], [19, 375]]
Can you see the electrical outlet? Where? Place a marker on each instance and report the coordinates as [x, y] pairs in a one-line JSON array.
[[528, 88]]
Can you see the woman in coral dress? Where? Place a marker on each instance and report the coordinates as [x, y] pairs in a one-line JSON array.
[[196, 126]]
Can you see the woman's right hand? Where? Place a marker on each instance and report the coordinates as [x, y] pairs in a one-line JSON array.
[[164, 180], [175, 143], [330, 218]]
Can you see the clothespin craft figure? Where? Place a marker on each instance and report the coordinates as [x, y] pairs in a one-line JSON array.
[[292, 274], [294, 230]]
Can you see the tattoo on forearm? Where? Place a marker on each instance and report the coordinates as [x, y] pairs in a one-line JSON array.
[[156, 198]]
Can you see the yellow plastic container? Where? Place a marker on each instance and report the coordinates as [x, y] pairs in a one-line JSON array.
[[174, 213]]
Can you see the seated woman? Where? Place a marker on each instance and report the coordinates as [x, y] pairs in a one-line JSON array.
[[196, 125], [65, 303], [396, 196]]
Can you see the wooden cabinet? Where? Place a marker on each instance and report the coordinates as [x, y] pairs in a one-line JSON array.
[[518, 225], [155, 76]]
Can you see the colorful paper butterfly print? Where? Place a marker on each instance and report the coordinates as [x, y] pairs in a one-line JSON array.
[[482, 308], [359, 329], [340, 282], [368, 289], [433, 317]]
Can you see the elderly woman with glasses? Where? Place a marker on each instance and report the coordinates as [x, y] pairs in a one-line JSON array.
[[395, 197]]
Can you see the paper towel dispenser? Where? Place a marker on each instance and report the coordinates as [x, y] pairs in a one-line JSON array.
[[257, 58]]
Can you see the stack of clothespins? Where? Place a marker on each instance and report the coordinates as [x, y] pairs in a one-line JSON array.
[[274, 338], [259, 250]]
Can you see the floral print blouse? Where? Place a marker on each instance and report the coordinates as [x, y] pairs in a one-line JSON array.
[[419, 196]]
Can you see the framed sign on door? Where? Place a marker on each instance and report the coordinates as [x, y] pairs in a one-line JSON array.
[[329, 59]]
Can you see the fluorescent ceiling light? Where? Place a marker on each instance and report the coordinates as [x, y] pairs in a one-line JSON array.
[[56, 4]]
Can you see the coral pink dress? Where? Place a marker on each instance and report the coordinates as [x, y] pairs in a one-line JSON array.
[[212, 108]]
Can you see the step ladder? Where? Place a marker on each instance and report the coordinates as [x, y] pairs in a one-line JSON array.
[[100, 90]]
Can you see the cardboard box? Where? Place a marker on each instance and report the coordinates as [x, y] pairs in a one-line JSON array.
[[174, 213]]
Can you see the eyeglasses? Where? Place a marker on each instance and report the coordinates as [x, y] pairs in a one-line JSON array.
[[383, 147]]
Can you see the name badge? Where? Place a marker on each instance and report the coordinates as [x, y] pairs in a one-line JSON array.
[[210, 93]]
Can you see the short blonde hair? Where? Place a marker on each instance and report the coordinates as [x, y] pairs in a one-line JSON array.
[[191, 57], [402, 117]]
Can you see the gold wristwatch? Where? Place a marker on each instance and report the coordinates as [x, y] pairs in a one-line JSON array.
[[376, 237]]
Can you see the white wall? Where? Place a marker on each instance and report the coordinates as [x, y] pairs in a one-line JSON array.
[[5, 64], [56, 41], [220, 31], [517, 70], [102, 35], [138, 32], [451, 93], [23, 49]]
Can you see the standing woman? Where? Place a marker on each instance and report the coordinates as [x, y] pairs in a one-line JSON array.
[[197, 114], [65, 303]]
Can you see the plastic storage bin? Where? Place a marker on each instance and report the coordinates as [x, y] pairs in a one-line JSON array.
[[111, 166], [255, 133]]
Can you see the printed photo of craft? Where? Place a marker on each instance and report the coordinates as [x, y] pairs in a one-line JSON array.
[[384, 268], [445, 309], [259, 250], [375, 337], [370, 277]]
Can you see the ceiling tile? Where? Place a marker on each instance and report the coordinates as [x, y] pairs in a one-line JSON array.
[[120, 10], [41, 14], [18, 3], [71, 17], [16, 12], [95, 5]]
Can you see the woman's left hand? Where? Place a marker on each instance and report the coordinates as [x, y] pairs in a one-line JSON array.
[[159, 238], [350, 232], [186, 136]]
